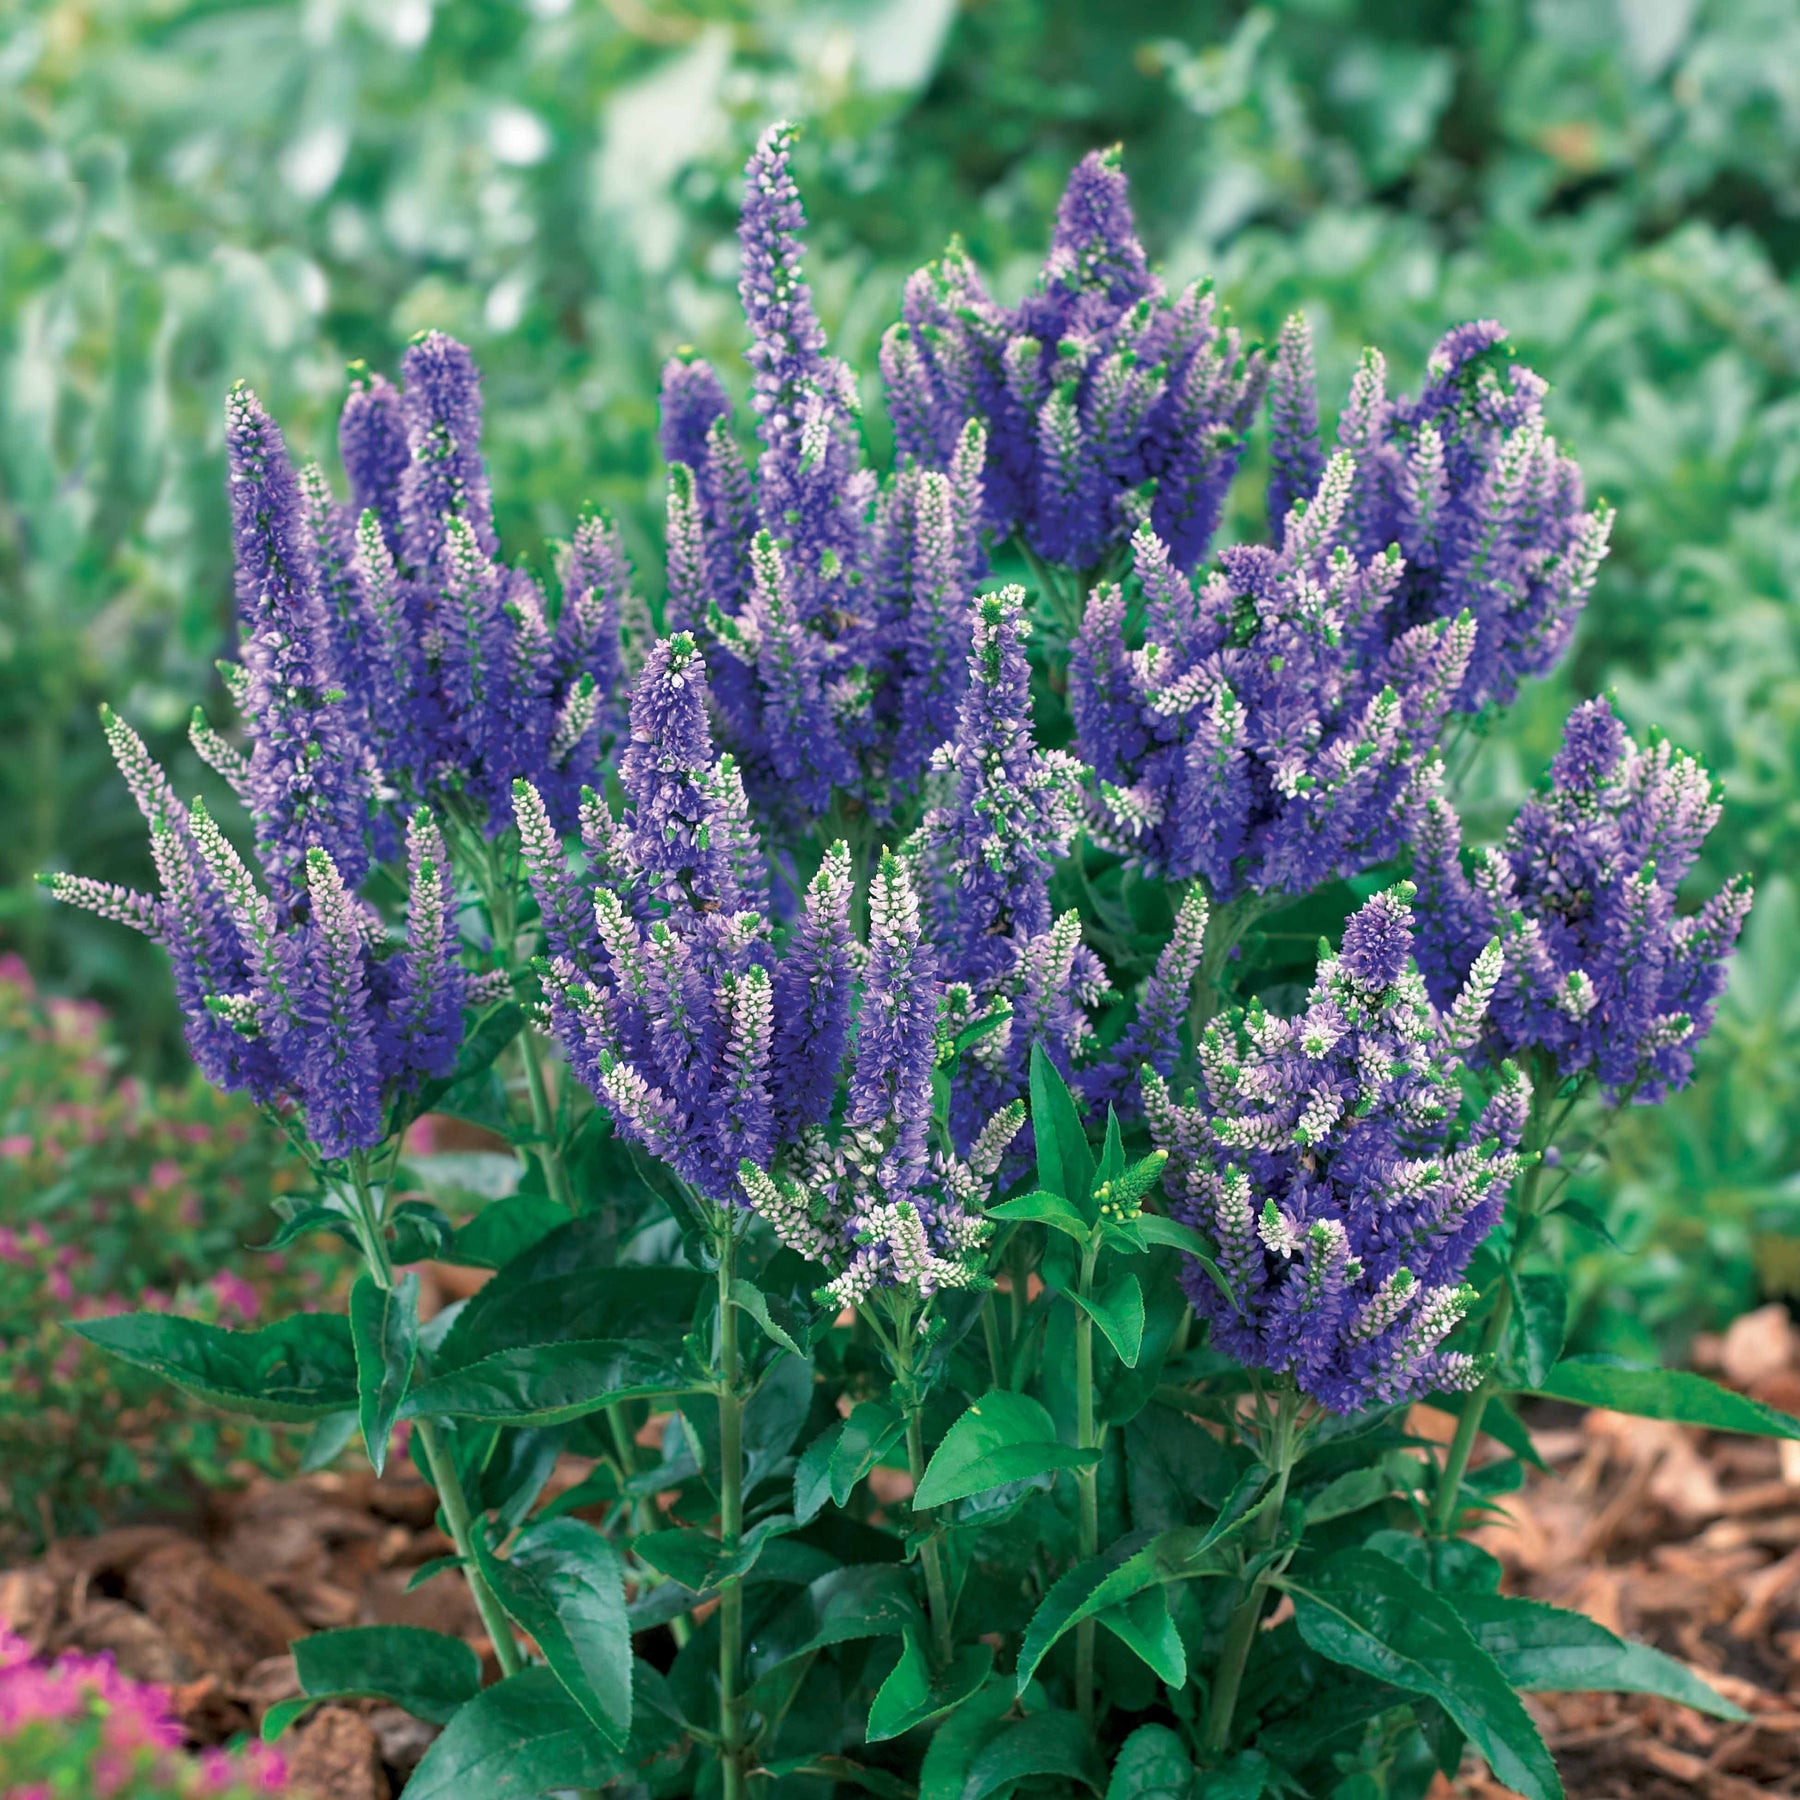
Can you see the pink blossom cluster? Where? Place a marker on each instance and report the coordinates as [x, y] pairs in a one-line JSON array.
[[76, 1728]]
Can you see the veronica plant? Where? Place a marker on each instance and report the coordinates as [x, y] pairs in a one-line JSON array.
[[965, 1274]]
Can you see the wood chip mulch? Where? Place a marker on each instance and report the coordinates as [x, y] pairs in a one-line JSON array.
[[1685, 1539]]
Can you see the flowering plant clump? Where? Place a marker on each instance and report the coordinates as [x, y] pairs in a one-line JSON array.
[[76, 1728], [978, 1272]]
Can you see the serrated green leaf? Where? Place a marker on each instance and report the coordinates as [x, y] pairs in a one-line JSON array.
[[1053, 1744], [548, 1384], [1043, 1208], [1118, 1309], [1138, 1562], [563, 1583], [1065, 1163], [1368, 1614], [515, 1740], [1543, 1650], [698, 1560], [1143, 1625], [505, 1228], [298, 1368], [426, 1673], [1651, 1393], [384, 1328], [1152, 1765], [912, 1696], [748, 1297], [1003, 1437], [866, 1600]]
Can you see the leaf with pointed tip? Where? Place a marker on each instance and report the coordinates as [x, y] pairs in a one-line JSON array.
[[1155, 1229], [699, 1561], [427, 1673], [912, 1696], [1152, 1765], [1003, 1437], [548, 1384], [298, 1368], [1651, 1393], [1052, 1743], [1118, 1309], [863, 1601], [515, 1740], [1144, 1626], [384, 1327], [834, 1462], [1543, 1650], [1043, 1208], [505, 1228], [1065, 1163], [563, 1583], [1368, 1614]]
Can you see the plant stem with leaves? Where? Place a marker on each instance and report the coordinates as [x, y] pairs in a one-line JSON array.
[[727, 1384], [1087, 1478]]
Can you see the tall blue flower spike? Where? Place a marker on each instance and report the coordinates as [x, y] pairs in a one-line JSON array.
[[1323, 1159], [1489, 515], [1105, 400], [1602, 976], [308, 1008]]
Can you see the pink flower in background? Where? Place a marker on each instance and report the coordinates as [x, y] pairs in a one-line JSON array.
[[19, 1145], [234, 1294]]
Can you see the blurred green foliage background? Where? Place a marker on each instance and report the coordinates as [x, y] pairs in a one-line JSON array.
[[193, 190]]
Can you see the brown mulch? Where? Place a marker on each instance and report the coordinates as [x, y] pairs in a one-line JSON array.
[[1687, 1540]]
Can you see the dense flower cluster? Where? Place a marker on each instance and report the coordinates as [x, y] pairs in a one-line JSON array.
[[77, 1728], [1007, 812], [308, 1006], [721, 1052], [834, 615], [387, 654], [1274, 730], [1488, 514], [1324, 1160], [1105, 401], [1601, 975]]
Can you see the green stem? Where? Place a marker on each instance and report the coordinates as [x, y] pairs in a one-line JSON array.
[[543, 1123], [731, 1518], [1540, 1128], [440, 1465], [1280, 1448], [931, 1553], [1087, 1480], [990, 1332]]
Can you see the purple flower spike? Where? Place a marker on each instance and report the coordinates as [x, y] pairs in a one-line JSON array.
[[1602, 977], [1323, 1160]]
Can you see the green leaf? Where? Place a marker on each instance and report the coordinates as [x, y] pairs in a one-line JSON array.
[[1003, 1437], [1131, 1566], [1578, 1212], [911, 1696], [567, 1287], [1539, 1322], [504, 1229], [563, 1583], [1544, 1650], [426, 1672], [513, 1741], [1043, 1208], [871, 1431], [697, 1559], [1065, 1163], [1118, 1309], [956, 1743], [1368, 1614], [326, 1441], [1143, 1625], [1054, 1743], [866, 1600], [1651, 1393], [1155, 1229], [547, 1384], [326, 1215], [384, 1328], [481, 1048], [748, 1297], [1152, 1765], [297, 1368], [421, 1232], [1349, 1493]]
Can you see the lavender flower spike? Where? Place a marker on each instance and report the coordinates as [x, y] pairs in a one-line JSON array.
[[1324, 1161], [1602, 976]]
